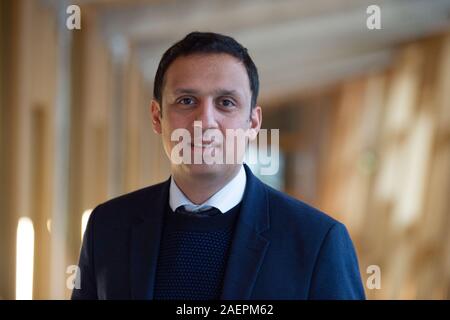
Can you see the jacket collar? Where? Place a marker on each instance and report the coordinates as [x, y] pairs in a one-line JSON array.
[[249, 246]]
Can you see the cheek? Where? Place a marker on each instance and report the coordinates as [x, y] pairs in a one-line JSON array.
[[167, 129], [235, 122], [177, 120], [170, 122]]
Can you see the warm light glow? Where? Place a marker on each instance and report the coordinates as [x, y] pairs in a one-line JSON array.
[[49, 225], [24, 259], [84, 221]]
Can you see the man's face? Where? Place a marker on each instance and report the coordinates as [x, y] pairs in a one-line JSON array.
[[213, 89]]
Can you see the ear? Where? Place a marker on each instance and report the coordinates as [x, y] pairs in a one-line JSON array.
[[255, 121], [156, 116]]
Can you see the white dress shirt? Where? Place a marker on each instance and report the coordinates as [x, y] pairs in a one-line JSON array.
[[224, 199]]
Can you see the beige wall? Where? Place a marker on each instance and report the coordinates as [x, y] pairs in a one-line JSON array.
[[374, 151], [6, 245], [32, 53], [385, 172]]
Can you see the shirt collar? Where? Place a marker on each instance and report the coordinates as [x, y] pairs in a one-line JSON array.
[[224, 199]]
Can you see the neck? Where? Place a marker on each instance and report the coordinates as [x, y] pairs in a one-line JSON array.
[[199, 188]]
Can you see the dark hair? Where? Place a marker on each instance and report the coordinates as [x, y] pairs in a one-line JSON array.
[[206, 43]]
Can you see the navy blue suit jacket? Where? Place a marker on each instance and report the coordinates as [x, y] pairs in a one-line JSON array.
[[282, 249]]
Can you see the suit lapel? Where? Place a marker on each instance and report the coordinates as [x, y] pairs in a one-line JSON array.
[[248, 247], [145, 242]]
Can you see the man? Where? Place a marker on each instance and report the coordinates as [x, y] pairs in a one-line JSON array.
[[212, 231]]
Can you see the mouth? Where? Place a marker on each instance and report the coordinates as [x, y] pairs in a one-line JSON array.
[[203, 145]]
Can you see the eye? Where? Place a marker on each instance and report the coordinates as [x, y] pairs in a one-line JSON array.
[[227, 103], [186, 101]]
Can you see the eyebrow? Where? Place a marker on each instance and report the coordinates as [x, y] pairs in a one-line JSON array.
[[219, 92]]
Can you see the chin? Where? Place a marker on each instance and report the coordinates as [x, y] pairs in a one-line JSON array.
[[204, 169], [209, 170]]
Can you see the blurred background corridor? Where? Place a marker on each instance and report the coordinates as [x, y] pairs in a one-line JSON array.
[[364, 120]]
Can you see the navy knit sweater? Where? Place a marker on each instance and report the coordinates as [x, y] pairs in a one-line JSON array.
[[193, 256]]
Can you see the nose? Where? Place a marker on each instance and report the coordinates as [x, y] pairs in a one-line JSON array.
[[207, 114]]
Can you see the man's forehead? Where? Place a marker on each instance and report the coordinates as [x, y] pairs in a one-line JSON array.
[[215, 91], [212, 73]]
